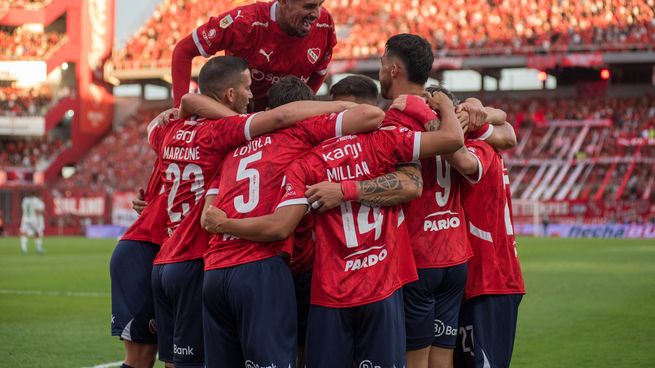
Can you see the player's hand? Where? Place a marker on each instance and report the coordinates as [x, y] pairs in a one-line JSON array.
[[476, 113], [399, 103], [214, 218], [463, 118], [139, 203], [439, 101], [324, 196], [164, 117]]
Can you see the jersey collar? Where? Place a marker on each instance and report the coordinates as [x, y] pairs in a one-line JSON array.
[[274, 11]]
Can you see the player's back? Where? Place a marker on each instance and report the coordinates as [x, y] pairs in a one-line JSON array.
[[495, 267], [249, 184], [365, 249]]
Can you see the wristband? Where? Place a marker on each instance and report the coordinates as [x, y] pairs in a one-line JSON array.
[[349, 190]]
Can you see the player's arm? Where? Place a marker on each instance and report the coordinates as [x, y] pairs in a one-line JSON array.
[[501, 133], [465, 163], [205, 106], [361, 118], [401, 186], [449, 138], [287, 115], [277, 226], [503, 137], [183, 55]]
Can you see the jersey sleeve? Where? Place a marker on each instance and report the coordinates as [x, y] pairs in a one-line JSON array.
[[156, 136], [484, 153], [293, 187], [481, 134], [214, 184], [322, 65], [406, 145], [224, 32], [318, 129], [232, 131]]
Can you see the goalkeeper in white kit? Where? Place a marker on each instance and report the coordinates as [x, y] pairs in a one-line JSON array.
[[32, 224]]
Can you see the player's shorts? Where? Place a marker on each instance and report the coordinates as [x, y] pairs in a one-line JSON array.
[[249, 314], [32, 228], [487, 329], [369, 336], [303, 286], [177, 291], [432, 306], [132, 309]]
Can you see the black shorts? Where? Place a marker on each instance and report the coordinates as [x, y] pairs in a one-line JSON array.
[[177, 291], [249, 315], [303, 285], [432, 306], [487, 329], [132, 309]]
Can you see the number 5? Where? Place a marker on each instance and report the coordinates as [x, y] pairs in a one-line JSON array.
[[253, 188]]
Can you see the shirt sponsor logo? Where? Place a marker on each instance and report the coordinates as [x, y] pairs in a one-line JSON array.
[[368, 364], [185, 135], [364, 262], [258, 75], [188, 351], [323, 25], [313, 55], [348, 150], [442, 224], [259, 24], [251, 364], [226, 21], [440, 329]]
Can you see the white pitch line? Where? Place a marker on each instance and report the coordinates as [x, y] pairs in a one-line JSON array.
[[107, 365], [87, 294]]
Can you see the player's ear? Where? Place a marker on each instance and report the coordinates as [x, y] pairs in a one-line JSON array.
[[395, 70], [229, 96]]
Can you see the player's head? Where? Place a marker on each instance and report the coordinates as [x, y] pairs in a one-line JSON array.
[[355, 88], [287, 90], [407, 58], [297, 16], [227, 79], [434, 88]]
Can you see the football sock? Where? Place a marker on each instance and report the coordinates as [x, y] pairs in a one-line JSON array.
[[23, 244], [39, 244]]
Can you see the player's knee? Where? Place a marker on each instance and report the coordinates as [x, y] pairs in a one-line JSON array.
[[418, 358], [141, 355], [441, 357]]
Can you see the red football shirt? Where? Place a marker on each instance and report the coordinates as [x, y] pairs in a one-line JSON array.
[[361, 252], [150, 226], [252, 32], [304, 238], [249, 186], [191, 153], [437, 225], [494, 268]]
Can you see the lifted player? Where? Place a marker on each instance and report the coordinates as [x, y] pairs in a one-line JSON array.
[[279, 38]]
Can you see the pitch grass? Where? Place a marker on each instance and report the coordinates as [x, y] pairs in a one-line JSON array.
[[590, 303]]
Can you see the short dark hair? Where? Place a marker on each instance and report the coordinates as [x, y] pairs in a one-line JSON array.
[[359, 86], [415, 52], [434, 88], [220, 73], [288, 89]]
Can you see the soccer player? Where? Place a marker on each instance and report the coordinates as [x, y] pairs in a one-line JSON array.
[[362, 259], [278, 38], [494, 285], [355, 88], [191, 152], [248, 292], [32, 224]]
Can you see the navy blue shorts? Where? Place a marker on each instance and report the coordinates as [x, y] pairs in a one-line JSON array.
[[132, 309], [177, 291], [303, 286], [432, 306], [249, 314], [487, 330], [370, 335]]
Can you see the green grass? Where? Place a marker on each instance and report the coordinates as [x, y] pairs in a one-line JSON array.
[[590, 303]]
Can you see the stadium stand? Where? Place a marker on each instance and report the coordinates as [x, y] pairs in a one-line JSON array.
[[27, 153], [15, 101], [21, 44], [478, 27]]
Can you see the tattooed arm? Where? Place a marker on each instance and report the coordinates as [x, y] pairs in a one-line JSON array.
[[403, 185]]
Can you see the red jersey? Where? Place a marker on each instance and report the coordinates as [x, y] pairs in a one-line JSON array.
[[304, 238], [191, 153], [494, 268], [252, 32], [437, 225], [362, 254], [150, 226], [249, 186]]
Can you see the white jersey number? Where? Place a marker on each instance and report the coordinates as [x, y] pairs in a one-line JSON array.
[[243, 173], [174, 174], [363, 226], [443, 179]]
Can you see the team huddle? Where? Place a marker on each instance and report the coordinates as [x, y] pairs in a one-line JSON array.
[[317, 233]]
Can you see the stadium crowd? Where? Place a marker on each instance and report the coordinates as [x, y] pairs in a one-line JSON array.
[[464, 27], [23, 44], [27, 153], [16, 101]]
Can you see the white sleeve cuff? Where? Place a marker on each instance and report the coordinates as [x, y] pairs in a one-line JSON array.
[[417, 146], [487, 133], [339, 125], [213, 191], [479, 176], [196, 40], [293, 202], [247, 127]]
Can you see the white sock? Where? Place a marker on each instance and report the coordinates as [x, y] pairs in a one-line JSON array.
[[39, 244], [23, 244]]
